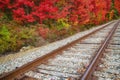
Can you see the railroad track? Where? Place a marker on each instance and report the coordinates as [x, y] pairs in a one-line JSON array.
[[109, 66], [74, 61]]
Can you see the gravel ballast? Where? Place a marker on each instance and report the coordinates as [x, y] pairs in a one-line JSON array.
[[38, 52]]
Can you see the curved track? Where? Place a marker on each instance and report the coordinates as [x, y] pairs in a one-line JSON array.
[[74, 61], [109, 66]]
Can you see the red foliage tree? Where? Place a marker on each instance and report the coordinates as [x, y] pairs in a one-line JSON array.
[[77, 11], [117, 5]]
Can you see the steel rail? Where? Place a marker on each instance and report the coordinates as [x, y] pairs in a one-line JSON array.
[[88, 73], [21, 70]]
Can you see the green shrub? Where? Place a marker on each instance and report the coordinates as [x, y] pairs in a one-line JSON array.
[[62, 24], [13, 38], [4, 38]]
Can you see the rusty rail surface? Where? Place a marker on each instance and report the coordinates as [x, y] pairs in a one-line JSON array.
[[88, 73], [19, 71]]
